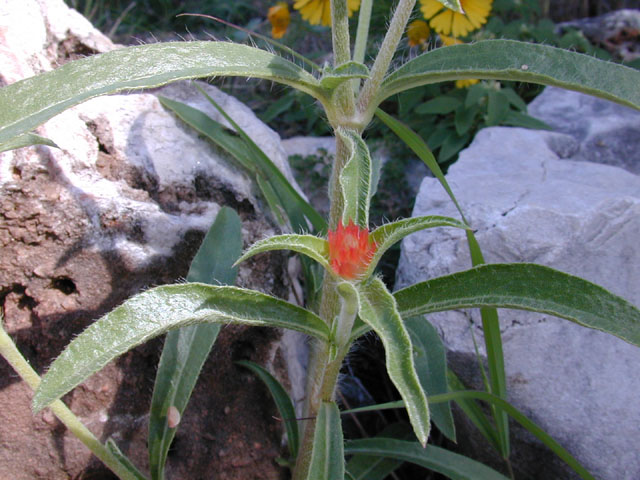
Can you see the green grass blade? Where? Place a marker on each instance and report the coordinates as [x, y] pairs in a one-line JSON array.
[[186, 349], [327, 457], [452, 465], [525, 286], [28, 103], [155, 312], [26, 140], [292, 202], [365, 467], [431, 366], [473, 411], [518, 416], [283, 403], [123, 459], [519, 62], [378, 309]]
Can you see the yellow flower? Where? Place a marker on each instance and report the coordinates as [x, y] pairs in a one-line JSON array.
[[418, 33], [446, 21], [279, 17], [319, 11], [467, 82]]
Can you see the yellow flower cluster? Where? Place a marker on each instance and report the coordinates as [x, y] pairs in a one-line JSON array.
[[315, 12], [448, 22]]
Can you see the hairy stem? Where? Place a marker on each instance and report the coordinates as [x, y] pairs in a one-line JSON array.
[[10, 352], [385, 55]]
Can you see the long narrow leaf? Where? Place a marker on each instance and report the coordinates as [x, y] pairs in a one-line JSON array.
[[378, 309], [356, 179], [186, 349], [309, 245], [26, 140], [283, 403], [327, 457], [291, 201], [520, 62], [453, 465], [388, 234], [490, 321], [28, 103], [431, 366], [158, 310], [518, 416], [473, 411], [525, 286]]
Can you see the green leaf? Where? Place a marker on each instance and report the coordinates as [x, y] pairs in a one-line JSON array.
[[521, 62], [290, 200], [497, 108], [26, 140], [465, 116], [314, 247], [365, 467], [356, 179], [378, 309], [505, 406], [431, 366], [28, 103], [439, 105], [123, 459], [473, 411], [519, 119], [453, 465], [334, 77], [279, 193], [525, 286], [490, 322], [283, 403], [327, 457], [158, 310], [388, 234], [186, 349]]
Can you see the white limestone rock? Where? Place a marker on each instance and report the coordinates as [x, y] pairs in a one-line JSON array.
[[527, 204]]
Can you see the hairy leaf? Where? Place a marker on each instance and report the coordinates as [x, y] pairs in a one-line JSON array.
[[28, 103], [158, 310]]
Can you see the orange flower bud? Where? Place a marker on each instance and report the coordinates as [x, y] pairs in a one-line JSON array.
[[350, 250], [279, 17]]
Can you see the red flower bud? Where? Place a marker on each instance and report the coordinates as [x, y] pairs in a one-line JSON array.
[[350, 250]]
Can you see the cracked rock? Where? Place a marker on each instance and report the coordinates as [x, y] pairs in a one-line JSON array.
[[531, 197]]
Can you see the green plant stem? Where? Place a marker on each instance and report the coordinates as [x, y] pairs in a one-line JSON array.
[[343, 96], [10, 352], [362, 35], [322, 373], [384, 57]]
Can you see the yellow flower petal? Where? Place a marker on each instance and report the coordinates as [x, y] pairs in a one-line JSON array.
[[446, 21], [319, 11], [279, 17]]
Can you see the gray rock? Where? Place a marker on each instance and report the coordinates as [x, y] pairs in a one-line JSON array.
[[529, 204], [604, 132]]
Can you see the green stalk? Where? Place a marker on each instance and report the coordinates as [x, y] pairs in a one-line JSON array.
[[385, 55], [344, 100], [362, 36], [10, 352]]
